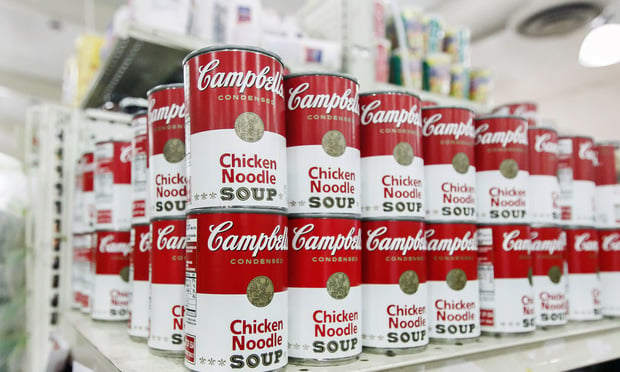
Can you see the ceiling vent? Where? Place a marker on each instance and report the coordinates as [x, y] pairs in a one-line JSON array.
[[559, 19]]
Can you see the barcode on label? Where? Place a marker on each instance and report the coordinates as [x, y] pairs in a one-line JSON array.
[[103, 186], [565, 178], [190, 294], [486, 278]]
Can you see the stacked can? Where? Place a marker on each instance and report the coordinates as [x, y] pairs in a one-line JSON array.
[[77, 262], [452, 249], [394, 293], [526, 110], [138, 326], [577, 159], [504, 261], [236, 312], [88, 214], [111, 289], [167, 201], [323, 154], [548, 239], [608, 223]]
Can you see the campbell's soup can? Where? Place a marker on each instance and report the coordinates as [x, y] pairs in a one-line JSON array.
[[90, 241], [526, 110], [235, 106], [323, 138], [427, 103], [576, 177], [392, 165], [111, 289], [394, 293], [543, 189], [78, 223], [325, 294], [112, 184], [454, 298], [139, 170], [78, 262], [166, 157], [502, 170], [167, 303], [140, 240], [236, 309], [609, 264], [88, 191], [584, 286], [449, 164], [607, 199], [505, 277], [548, 276]]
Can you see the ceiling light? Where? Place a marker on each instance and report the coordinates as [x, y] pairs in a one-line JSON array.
[[600, 47]]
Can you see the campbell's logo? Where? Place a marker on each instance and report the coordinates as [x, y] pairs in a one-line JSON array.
[[519, 110], [145, 242], [275, 241], [511, 243], [239, 79], [486, 137], [303, 239], [370, 115], [432, 126], [107, 245], [168, 241], [88, 167], [543, 143], [583, 244], [467, 243], [586, 152], [611, 242], [126, 154], [549, 246], [347, 101], [404, 244], [166, 113]]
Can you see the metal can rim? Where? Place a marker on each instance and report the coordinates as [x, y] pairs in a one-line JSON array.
[[225, 47], [392, 91], [568, 136], [491, 116], [543, 127], [322, 73], [435, 107], [218, 210], [516, 103], [159, 87]]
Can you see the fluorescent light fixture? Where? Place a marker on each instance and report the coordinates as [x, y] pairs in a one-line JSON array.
[[601, 46]]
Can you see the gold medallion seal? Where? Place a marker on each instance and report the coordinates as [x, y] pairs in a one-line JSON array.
[[460, 162], [555, 274], [403, 153], [509, 168], [338, 285], [124, 273], [260, 291], [174, 150], [409, 282], [334, 144], [457, 279], [249, 127]]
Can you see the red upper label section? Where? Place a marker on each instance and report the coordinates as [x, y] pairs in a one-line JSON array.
[[447, 131], [547, 246], [388, 119], [498, 139], [112, 252], [543, 151], [527, 110], [140, 253], [119, 164], [451, 246], [168, 252], [582, 251], [582, 158], [140, 141], [321, 247], [609, 254], [166, 118], [509, 251], [224, 84], [605, 168], [316, 104], [389, 248], [88, 172]]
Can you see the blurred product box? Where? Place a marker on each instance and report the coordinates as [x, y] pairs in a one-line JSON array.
[[324, 54], [166, 15]]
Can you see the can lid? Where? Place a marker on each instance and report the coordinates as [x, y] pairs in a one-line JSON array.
[[163, 86], [515, 103], [322, 73], [551, 129], [565, 225], [491, 116], [448, 107], [218, 48], [392, 91], [564, 136], [615, 144]]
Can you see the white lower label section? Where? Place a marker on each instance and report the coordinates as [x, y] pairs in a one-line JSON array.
[[139, 308], [450, 196], [578, 203], [607, 206], [509, 308], [168, 187], [323, 328], [584, 297], [543, 199], [392, 190], [319, 183], [166, 317], [550, 301], [392, 318], [116, 209], [231, 333], [501, 200], [87, 289], [232, 173], [110, 298], [610, 295], [453, 315], [88, 212]]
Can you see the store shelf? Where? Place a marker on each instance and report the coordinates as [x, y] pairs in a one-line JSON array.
[[106, 347]]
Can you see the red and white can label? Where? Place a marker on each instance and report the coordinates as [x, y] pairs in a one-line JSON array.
[[576, 178], [527, 110], [394, 293], [322, 117], [89, 271], [78, 222], [504, 266], [454, 298], [449, 164], [235, 104], [111, 289], [79, 265], [236, 310], [584, 287], [543, 188], [167, 167], [113, 185], [607, 202], [325, 288], [139, 170], [392, 165], [88, 190], [502, 170], [549, 278], [167, 285], [609, 263], [140, 241]]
